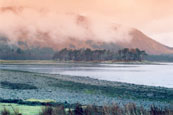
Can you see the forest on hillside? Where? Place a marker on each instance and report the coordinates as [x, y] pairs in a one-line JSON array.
[[100, 55], [17, 52], [21, 51]]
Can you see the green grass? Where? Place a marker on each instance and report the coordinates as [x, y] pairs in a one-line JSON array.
[[128, 109], [23, 109], [39, 100], [19, 86], [122, 91]]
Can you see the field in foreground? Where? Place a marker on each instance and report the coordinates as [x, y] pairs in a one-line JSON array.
[[128, 109], [72, 89], [24, 109]]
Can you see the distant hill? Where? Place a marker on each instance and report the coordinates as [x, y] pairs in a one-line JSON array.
[[71, 31], [143, 42]]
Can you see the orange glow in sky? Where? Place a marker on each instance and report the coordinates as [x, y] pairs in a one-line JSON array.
[[153, 17]]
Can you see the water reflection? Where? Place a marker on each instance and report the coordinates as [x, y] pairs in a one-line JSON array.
[[153, 75]]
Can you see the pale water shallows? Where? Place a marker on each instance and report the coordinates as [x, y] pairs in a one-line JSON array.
[[152, 75]]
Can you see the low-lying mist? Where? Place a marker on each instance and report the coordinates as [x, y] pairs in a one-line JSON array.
[[53, 28]]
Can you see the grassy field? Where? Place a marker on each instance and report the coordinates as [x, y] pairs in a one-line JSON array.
[[24, 109], [27, 108], [128, 109], [122, 91]]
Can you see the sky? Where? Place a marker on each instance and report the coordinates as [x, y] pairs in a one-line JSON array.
[[153, 17]]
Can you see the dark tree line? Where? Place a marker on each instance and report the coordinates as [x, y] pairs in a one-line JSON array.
[[131, 54], [99, 55]]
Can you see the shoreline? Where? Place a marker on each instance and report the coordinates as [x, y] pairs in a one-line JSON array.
[[33, 62], [73, 89]]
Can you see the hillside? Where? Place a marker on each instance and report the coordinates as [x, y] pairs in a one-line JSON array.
[[69, 30]]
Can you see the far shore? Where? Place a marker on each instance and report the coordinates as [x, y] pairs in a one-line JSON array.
[[78, 62]]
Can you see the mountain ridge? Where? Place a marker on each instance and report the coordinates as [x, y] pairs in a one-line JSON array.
[[75, 31]]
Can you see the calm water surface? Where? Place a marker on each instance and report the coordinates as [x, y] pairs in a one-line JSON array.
[[152, 75]]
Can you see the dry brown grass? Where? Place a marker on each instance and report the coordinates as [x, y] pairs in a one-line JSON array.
[[129, 109]]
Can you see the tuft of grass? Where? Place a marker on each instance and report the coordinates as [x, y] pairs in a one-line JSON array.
[[130, 92], [59, 110], [129, 109], [5, 112], [39, 100], [19, 86]]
